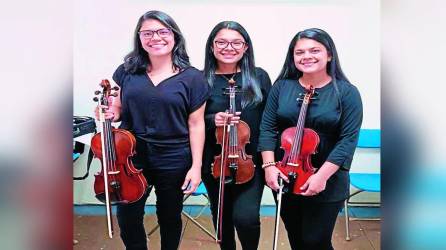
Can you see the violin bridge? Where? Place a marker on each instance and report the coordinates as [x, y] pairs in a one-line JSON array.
[[292, 164], [233, 156], [114, 172]]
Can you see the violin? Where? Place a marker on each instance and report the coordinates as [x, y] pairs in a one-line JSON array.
[[299, 144], [233, 165], [119, 181]]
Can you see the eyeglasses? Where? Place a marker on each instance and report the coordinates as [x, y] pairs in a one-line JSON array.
[[221, 44], [148, 34]]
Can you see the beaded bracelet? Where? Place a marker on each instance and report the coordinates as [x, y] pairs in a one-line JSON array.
[[268, 164]]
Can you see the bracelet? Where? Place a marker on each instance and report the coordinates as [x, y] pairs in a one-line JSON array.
[[268, 164]]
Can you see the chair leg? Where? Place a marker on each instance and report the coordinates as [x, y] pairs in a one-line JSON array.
[[153, 230], [198, 224], [347, 221], [203, 208]]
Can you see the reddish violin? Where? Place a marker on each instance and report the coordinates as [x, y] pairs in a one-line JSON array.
[[233, 165], [299, 144], [119, 181]]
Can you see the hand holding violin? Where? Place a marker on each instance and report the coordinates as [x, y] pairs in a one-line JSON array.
[[272, 175], [221, 117], [314, 185], [318, 181], [109, 114]]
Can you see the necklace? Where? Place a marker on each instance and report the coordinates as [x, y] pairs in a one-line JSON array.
[[230, 80]]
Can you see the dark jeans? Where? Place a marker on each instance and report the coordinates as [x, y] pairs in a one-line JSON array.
[[241, 210], [169, 204], [309, 224]]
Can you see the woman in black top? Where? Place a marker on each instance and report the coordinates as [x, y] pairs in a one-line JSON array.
[[336, 116], [162, 102], [229, 54]]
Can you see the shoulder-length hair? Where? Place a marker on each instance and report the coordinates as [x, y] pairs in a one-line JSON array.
[[289, 70], [138, 60], [252, 94]]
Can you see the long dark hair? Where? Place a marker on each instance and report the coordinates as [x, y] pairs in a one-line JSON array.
[[289, 70], [252, 94], [138, 60]]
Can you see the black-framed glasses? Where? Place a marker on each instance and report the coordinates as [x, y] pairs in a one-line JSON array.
[[222, 44], [148, 34]]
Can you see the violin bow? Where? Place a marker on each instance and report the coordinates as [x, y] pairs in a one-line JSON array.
[[279, 205], [221, 190], [105, 169]]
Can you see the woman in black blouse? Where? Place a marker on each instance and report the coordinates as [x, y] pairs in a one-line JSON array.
[[229, 54], [335, 114], [162, 102]]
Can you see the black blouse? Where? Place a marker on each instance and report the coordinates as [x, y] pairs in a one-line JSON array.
[[252, 115], [336, 116], [158, 115]]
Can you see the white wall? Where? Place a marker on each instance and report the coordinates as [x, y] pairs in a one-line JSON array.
[[103, 32]]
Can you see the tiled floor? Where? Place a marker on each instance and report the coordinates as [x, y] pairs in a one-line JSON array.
[[90, 233]]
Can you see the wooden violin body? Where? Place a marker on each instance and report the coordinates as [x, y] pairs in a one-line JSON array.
[[239, 165], [118, 181], [298, 169], [126, 184], [299, 144], [233, 165]]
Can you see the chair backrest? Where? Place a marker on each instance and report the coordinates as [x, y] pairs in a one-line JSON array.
[[201, 189], [369, 138]]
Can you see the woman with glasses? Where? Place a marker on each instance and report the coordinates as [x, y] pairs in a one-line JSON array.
[[161, 101], [229, 56], [336, 116]]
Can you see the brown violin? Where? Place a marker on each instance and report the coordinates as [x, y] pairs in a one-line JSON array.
[[119, 181], [299, 144], [233, 165]]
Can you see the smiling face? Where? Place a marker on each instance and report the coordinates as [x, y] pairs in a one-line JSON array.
[[310, 56], [156, 38], [228, 47]]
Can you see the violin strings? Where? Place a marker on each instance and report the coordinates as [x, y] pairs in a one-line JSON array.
[[233, 131], [108, 143], [298, 135], [111, 146]]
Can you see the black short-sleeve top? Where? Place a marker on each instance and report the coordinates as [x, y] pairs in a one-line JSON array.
[[159, 114]]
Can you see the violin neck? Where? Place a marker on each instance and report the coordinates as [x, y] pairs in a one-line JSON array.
[[297, 142], [109, 146], [233, 142]]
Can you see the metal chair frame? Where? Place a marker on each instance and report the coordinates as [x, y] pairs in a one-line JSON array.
[[347, 202], [193, 219], [365, 143]]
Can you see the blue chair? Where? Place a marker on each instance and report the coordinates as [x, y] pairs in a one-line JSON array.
[[364, 182], [75, 156], [201, 190]]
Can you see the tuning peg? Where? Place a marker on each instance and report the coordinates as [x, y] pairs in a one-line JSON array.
[[116, 88], [95, 99], [114, 94], [97, 92]]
